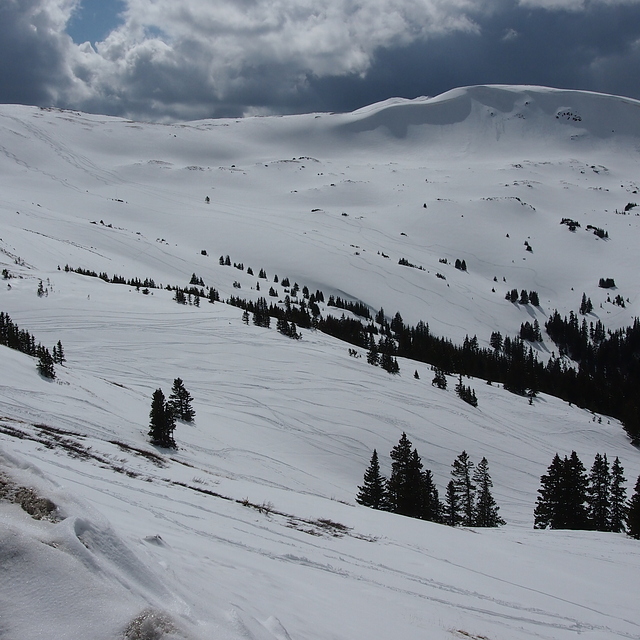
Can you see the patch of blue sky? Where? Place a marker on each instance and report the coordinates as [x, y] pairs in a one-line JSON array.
[[94, 20]]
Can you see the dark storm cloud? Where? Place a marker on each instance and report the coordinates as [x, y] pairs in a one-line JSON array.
[[32, 52], [597, 49], [183, 59]]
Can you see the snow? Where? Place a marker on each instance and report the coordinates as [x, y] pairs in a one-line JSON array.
[[250, 529]]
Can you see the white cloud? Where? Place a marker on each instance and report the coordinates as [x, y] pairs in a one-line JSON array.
[[228, 47]]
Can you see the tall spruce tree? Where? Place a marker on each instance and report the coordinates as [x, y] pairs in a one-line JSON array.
[[451, 514], [486, 511], [598, 494], [373, 492], [430, 506], [548, 505], [462, 477], [618, 493], [404, 483], [162, 422], [576, 494], [180, 402], [633, 515]]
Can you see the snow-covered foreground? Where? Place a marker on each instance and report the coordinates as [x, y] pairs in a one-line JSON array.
[[250, 529]]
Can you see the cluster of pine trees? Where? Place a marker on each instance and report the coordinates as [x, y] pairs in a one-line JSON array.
[[147, 283], [569, 498], [21, 340], [357, 308], [164, 413], [411, 491], [526, 297], [464, 392]]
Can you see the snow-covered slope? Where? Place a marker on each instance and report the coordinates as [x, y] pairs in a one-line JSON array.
[[250, 529]]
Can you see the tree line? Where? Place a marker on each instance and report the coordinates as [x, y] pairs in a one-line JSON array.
[[411, 491]]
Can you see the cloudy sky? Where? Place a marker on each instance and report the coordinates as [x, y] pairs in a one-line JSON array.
[[186, 59]]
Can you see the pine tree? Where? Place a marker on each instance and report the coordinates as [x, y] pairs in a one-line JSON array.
[[598, 494], [486, 511], [45, 363], [562, 496], [404, 483], [451, 514], [496, 340], [576, 494], [58, 353], [180, 402], [439, 379], [430, 505], [547, 511], [372, 355], [162, 422], [586, 306], [618, 493], [373, 492], [462, 477], [633, 516]]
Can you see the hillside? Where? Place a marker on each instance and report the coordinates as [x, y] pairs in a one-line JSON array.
[[250, 529]]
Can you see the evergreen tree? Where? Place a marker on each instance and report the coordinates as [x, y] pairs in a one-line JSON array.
[[618, 496], [373, 357], [58, 351], [45, 363], [180, 402], [430, 505], [404, 483], [387, 361], [452, 506], [466, 393], [598, 494], [486, 511], [548, 504], [462, 477], [633, 516], [439, 379], [576, 493], [562, 496], [373, 492], [586, 306], [162, 422]]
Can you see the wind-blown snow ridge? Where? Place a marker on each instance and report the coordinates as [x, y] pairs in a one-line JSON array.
[[597, 114], [250, 529]]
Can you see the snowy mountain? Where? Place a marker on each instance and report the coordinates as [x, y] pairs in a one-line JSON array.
[[250, 528]]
